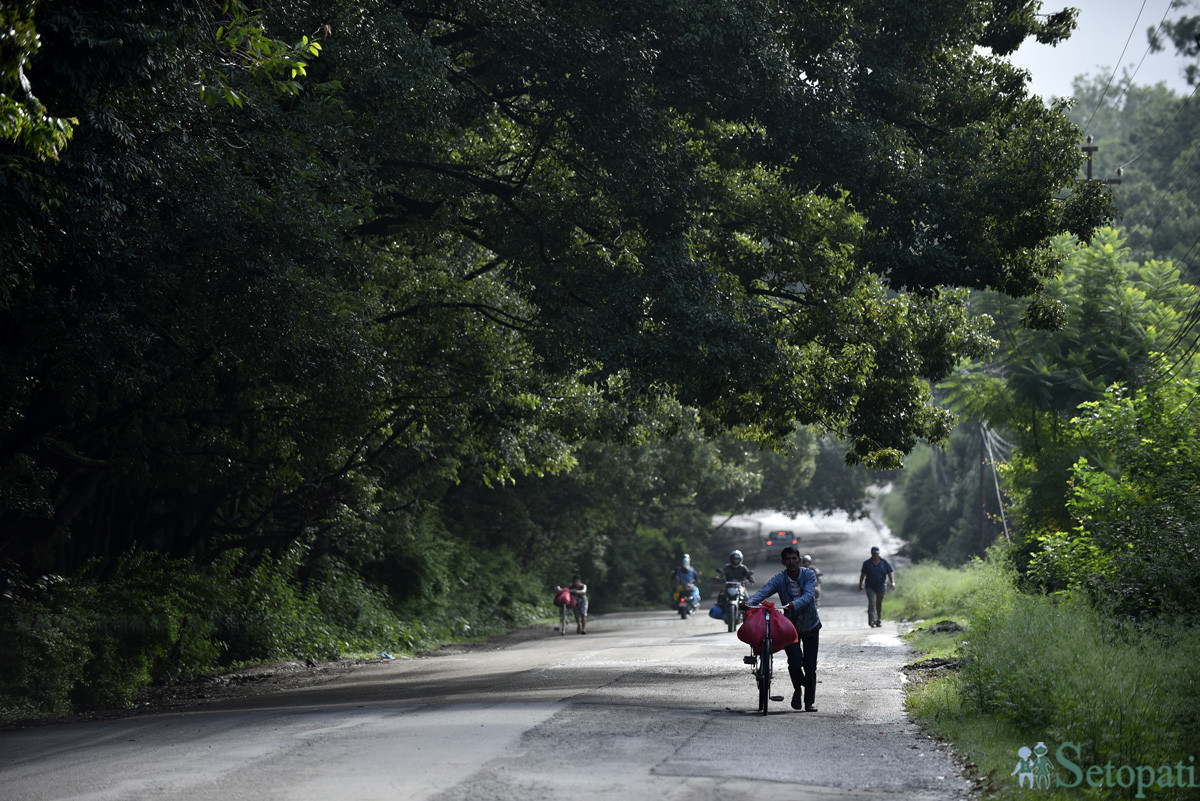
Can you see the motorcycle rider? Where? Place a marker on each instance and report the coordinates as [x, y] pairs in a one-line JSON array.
[[685, 574], [735, 570], [806, 561]]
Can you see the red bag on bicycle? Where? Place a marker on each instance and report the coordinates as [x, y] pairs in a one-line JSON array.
[[754, 630], [565, 598]]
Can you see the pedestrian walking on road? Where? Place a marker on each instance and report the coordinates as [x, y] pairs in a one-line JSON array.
[[876, 575], [578, 591], [796, 585]]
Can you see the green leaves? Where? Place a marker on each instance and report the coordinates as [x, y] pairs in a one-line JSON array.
[[264, 290], [251, 50], [23, 118]]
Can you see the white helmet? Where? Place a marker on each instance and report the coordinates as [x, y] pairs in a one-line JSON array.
[[687, 560], [736, 555]]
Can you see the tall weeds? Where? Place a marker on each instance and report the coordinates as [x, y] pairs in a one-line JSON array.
[[1056, 669]]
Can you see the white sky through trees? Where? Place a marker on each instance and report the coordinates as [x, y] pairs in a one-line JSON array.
[[1096, 45]]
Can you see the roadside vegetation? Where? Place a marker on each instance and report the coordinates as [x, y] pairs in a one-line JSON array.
[[333, 329], [1071, 493], [1037, 668], [92, 643], [329, 327]]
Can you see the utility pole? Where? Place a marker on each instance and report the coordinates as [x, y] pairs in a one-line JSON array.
[[1089, 149], [982, 495]]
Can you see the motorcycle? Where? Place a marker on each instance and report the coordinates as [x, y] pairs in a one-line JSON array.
[[730, 602], [688, 599]]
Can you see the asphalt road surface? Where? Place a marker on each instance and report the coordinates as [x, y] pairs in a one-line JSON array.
[[645, 706]]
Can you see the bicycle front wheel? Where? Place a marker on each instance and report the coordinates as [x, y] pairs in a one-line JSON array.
[[563, 613], [764, 684]]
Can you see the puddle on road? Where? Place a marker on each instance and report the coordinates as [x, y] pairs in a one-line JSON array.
[[884, 640]]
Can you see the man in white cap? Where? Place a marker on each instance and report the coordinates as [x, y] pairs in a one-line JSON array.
[[876, 574]]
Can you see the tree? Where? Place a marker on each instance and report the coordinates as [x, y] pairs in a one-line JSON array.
[[23, 118], [1118, 315], [1150, 132], [1182, 33], [1132, 502], [949, 509], [305, 273], [634, 172], [299, 259]]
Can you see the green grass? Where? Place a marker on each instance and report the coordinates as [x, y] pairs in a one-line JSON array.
[[930, 645], [1052, 670], [928, 590]]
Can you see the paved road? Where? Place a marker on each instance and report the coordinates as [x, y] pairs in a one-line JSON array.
[[645, 706]]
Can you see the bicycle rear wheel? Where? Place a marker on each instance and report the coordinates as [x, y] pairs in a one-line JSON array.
[[563, 613]]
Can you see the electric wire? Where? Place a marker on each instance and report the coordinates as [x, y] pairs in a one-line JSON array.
[[1162, 196], [1112, 75], [1165, 128], [1128, 80], [987, 441]]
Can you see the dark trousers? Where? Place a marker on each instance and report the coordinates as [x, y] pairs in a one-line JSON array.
[[802, 663]]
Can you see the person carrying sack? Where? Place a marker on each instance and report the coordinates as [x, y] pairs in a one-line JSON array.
[[797, 585]]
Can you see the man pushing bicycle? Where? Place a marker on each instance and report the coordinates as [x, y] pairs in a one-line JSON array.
[[796, 585]]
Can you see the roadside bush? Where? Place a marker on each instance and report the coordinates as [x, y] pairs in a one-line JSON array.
[[45, 648], [88, 643], [1062, 669], [929, 589], [361, 614], [263, 614], [484, 593], [94, 641], [1057, 669]]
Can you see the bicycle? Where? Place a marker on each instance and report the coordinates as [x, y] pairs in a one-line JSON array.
[[564, 614], [762, 661]]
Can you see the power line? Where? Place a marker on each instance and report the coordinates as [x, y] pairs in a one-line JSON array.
[[1166, 128], [1162, 195], [987, 441], [1108, 83], [1128, 80]]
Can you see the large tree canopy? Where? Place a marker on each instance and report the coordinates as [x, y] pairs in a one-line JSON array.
[[712, 199], [296, 261]]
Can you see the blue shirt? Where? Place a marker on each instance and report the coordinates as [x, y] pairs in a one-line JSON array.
[[876, 574], [683, 575], [798, 593]]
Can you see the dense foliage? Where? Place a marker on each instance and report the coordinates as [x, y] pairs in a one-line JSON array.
[[1039, 668], [390, 289], [1120, 316], [1082, 630]]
